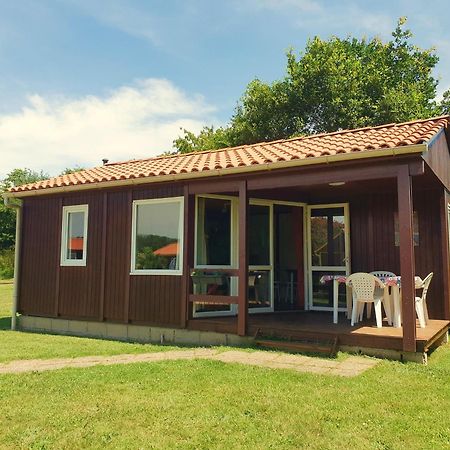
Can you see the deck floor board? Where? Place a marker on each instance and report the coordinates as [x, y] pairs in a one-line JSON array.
[[310, 324]]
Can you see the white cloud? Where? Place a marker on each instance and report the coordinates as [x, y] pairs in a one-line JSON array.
[[131, 122]]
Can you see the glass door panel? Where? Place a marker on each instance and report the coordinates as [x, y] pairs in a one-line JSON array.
[[215, 248], [260, 257], [288, 256], [329, 252]]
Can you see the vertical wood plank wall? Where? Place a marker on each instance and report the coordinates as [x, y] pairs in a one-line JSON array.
[[99, 290], [373, 245], [77, 292]]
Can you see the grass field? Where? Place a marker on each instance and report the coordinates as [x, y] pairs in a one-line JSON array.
[[208, 404]]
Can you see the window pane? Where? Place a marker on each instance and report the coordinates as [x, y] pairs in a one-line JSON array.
[[157, 234], [214, 232], [259, 235], [328, 237], [75, 235]]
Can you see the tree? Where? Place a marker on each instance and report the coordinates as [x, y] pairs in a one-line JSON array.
[[445, 104], [7, 215], [333, 84], [208, 139], [69, 170]]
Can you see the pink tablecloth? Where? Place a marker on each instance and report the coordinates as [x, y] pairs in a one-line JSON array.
[[388, 281]]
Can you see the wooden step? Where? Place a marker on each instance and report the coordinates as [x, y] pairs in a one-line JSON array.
[[286, 343]]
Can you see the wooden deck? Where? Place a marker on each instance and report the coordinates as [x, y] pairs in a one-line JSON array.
[[319, 325]]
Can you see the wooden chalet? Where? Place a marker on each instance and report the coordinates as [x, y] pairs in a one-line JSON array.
[[220, 246]]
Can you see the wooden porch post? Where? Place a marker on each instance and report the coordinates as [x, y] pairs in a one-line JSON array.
[[243, 260], [444, 213], [407, 265], [188, 255]]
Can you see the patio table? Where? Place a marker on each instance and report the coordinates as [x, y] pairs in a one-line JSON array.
[[393, 282]]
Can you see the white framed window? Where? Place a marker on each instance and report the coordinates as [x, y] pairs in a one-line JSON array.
[[74, 235], [157, 236]]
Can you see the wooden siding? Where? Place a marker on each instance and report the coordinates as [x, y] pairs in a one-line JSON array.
[[438, 158], [79, 287], [105, 290], [373, 245], [41, 231]]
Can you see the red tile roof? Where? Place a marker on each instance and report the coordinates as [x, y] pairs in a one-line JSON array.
[[370, 139], [168, 250]]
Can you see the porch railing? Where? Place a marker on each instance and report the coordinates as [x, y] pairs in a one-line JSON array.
[[203, 279]]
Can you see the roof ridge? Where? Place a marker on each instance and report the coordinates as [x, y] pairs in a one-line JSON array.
[[281, 151], [264, 143]]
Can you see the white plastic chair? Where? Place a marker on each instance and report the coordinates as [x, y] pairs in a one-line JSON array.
[[421, 302], [387, 301], [363, 291]]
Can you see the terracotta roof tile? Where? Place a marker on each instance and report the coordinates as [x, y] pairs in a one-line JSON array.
[[368, 139]]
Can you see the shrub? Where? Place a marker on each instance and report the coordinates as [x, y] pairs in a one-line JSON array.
[[7, 264]]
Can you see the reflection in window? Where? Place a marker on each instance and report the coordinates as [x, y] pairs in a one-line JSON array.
[[214, 232], [259, 235], [157, 235], [286, 222], [328, 237], [74, 235]]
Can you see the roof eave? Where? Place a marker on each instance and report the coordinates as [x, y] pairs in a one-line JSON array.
[[329, 159]]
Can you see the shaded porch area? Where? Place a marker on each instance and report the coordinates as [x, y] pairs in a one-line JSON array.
[[318, 325]]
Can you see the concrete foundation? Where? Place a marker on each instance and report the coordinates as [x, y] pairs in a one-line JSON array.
[[397, 355], [131, 333], [146, 334]]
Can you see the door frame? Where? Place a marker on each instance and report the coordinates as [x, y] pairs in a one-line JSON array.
[[234, 250], [232, 311], [310, 268], [269, 204]]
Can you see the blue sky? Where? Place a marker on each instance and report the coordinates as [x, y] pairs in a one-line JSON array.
[[82, 80]]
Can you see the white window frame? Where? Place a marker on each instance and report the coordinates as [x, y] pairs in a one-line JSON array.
[[333, 269], [64, 234], [234, 253], [155, 201]]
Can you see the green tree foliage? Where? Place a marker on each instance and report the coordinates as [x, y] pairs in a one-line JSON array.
[[8, 215], [333, 84], [209, 138], [69, 170], [146, 245], [445, 104]]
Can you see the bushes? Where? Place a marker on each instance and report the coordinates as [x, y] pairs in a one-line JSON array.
[[6, 263]]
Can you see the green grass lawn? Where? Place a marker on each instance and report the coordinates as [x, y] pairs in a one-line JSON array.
[[209, 404]]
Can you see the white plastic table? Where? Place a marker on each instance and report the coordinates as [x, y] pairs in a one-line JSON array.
[[393, 282]]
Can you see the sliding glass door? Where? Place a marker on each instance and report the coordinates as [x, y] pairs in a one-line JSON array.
[[260, 257], [215, 248], [328, 252]]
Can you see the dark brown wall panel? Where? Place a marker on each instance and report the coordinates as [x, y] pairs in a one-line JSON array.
[[155, 299], [117, 255], [160, 191], [438, 158], [79, 287], [41, 231], [373, 246]]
